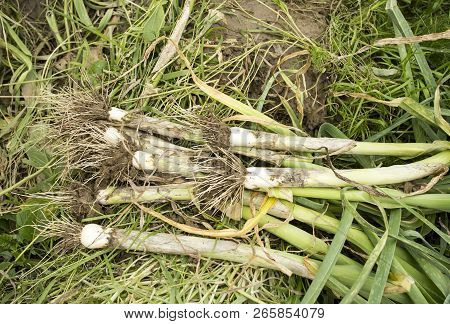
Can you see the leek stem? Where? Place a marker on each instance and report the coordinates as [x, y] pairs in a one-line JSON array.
[[432, 201]]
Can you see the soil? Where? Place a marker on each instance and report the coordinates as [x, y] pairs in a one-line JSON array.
[[83, 197], [240, 30], [214, 131], [238, 21], [31, 8], [117, 168]]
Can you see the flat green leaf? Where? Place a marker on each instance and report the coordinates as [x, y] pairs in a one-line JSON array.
[[51, 21], [385, 261], [422, 218], [296, 122], [30, 89], [8, 126], [266, 89], [441, 280], [105, 19], [342, 289], [414, 108], [36, 158], [325, 269], [17, 53], [97, 67], [17, 39], [82, 13], [8, 242], [420, 111], [152, 27], [365, 272], [27, 217], [399, 20]]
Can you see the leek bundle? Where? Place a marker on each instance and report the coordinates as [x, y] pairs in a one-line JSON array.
[[224, 136], [76, 111], [211, 177], [93, 236]]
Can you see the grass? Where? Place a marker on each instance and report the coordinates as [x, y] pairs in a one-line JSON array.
[[108, 46], [324, 271]]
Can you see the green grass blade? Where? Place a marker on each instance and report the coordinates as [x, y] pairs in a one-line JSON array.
[[401, 120], [423, 249], [437, 111], [399, 20], [342, 289], [408, 78], [296, 122], [439, 279], [152, 27], [420, 111], [17, 53], [384, 264], [16, 39], [51, 21], [365, 272], [325, 269], [82, 13], [416, 295], [262, 98], [105, 20], [423, 219], [240, 107]]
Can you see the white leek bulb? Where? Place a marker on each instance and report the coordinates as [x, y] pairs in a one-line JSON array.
[[94, 236]]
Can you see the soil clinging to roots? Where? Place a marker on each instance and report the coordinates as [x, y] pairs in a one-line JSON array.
[[77, 124], [221, 180]]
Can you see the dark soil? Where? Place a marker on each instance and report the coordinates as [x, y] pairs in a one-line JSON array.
[[240, 30], [31, 8], [83, 200], [117, 167]]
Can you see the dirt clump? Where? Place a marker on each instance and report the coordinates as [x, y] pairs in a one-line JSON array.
[[31, 8], [250, 16], [117, 167], [248, 23], [83, 200]]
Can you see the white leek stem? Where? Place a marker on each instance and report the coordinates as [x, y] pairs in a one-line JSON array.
[[260, 178], [281, 209], [170, 48], [241, 137], [149, 143], [154, 145], [291, 234], [173, 192], [184, 192], [277, 158], [241, 253], [249, 138], [96, 237], [179, 165], [154, 125], [113, 136]]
